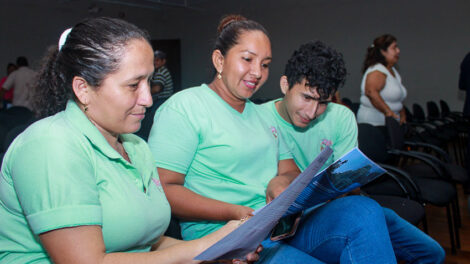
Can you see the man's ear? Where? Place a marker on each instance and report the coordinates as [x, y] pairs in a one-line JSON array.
[[284, 84], [218, 60], [81, 90]]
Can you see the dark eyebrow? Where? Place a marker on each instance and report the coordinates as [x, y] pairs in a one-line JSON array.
[[138, 78], [319, 99], [255, 54], [324, 101], [311, 97]]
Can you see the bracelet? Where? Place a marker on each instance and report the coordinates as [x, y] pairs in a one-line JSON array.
[[243, 220]]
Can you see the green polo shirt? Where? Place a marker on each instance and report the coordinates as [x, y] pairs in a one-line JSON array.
[[61, 172], [336, 128], [226, 155]]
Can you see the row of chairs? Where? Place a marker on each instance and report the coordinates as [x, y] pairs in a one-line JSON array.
[[417, 156], [13, 121]]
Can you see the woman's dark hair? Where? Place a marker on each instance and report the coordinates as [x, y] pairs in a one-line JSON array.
[[21, 61], [374, 55], [92, 50], [229, 30], [11, 67], [321, 65]]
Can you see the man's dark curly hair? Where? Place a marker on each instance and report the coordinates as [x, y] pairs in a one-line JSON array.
[[321, 65]]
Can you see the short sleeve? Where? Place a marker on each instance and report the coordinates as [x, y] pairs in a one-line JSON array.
[[284, 152], [379, 67], [347, 136], [173, 140], [55, 182], [158, 81], [158, 78]]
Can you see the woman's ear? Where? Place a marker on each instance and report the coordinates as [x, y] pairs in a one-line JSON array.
[[218, 60], [284, 84], [382, 52], [81, 90]]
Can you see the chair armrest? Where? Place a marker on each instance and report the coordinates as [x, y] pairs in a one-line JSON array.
[[437, 149], [421, 157], [392, 171]]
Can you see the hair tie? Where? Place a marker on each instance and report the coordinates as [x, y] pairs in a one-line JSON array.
[[63, 37]]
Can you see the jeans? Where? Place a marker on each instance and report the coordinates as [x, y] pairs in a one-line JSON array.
[[353, 229]]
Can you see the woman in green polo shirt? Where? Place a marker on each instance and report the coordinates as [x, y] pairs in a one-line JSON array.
[[76, 186], [219, 159]]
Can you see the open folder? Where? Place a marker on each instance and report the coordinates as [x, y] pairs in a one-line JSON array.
[[309, 189]]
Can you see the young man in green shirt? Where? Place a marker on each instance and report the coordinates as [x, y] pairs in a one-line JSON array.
[[308, 121]]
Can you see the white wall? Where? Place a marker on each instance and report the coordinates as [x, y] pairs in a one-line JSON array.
[[434, 35]]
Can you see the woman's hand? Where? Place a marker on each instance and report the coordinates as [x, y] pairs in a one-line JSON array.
[[225, 230], [243, 212], [402, 116], [392, 114], [250, 257]]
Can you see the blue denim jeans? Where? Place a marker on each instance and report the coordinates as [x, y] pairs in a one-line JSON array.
[[353, 229]]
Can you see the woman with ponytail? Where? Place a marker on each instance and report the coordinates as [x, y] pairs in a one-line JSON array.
[[77, 186], [382, 92]]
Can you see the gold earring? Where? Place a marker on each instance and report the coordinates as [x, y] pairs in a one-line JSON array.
[[219, 75], [86, 108]]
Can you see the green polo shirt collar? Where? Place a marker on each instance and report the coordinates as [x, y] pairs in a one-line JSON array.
[[79, 120]]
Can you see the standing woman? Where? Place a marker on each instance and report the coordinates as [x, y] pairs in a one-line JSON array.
[[77, 186], [382, 92], [219, 158]]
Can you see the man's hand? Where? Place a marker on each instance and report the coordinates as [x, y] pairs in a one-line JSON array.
[[287, 171], [275, 187]]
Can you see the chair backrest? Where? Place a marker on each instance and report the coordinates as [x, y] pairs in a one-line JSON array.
[[18, 111], [396, 133], [15, 116], [355, 108], [12, 134], [409, 115], [444, 107], [433, 110], [3, 134], [346, 101], [418, 113], [372, 142]]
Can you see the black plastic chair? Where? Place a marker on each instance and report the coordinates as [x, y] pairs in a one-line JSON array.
[[389, 190], [435, 163], [346, 101], [18, 115], [440, 129], [448, 170], [455, 173], [424, 190], [447, 112], [12, 134], [418, 131]]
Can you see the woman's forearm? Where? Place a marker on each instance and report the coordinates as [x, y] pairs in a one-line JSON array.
[[190, 205], [378, 102]]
